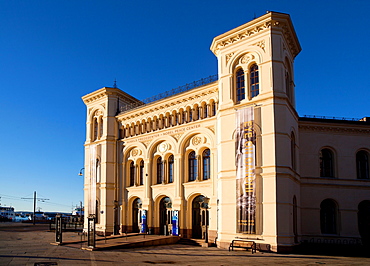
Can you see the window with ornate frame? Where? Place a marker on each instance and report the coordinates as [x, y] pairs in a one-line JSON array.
[[96, 128], [141, 173], [170, 168], [292, 151], [254, 81], [159, 170], [132, 173], [240, 85], [362, 164], [328, 217], [206, 156], [192, 166], [326, 163]]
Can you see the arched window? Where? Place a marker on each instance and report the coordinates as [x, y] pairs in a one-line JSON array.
[[141, 173], [328, 217], [193, 166], [184, 117], [363, 216], [295, 221], [170, 169], [213, 107], [362, 165], [326, 163], [96, 128], [97, 212], [240, 85], [254, 81], [205, 111], [190, 115], [100, 127], [206, 164], [132, 174], [159, 170], [292, 151]]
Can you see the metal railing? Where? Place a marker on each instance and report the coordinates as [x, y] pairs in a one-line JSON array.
[[169, 93], [332, 117]]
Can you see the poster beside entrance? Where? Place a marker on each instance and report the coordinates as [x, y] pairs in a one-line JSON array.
[[245, 171], [143, 228], [175, 223]]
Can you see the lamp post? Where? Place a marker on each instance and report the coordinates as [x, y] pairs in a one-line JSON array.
[[80, 173], [205, 207]]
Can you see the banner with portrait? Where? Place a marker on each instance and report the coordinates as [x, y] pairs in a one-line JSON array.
[[93, 175], [245, 171]]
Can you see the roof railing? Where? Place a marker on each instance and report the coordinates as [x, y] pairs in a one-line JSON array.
[[169, 93], [333, 118]]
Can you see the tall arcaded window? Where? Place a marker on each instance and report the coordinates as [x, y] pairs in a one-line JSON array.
[[206, 164], [96, 128], [254, 81], [170, 169], [292, 151], [362, 165], [326, 163], [240, 85], [159, 170], [132, 174], [141, 173], [328, 217], [193, 166]]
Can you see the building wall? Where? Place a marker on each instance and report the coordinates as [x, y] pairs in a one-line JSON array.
[[123, 134]]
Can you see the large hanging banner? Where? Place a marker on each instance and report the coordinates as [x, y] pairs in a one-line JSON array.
[[175, 223], [245, 171], [143, 228], [93, 170]]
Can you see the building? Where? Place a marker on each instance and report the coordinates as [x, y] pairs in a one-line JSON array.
[[229, 152], [7, 213]]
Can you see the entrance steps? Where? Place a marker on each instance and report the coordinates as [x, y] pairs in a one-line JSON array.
[[124, 241], [192, 242]]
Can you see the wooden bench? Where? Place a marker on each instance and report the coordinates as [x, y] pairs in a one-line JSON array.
[[241, 243]]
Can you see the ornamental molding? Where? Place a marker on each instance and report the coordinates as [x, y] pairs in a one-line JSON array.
[[196, 140], [260, 44], [246, 59], [212, 128], [239, 36], [257, 28], [169, 106], [177, 136], [228, 57], [318, 128]]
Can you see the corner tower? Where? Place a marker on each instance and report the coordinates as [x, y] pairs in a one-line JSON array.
[[255, 68], [101, 152]]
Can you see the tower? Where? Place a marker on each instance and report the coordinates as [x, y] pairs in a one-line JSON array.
[[256, 89], [101, 152]]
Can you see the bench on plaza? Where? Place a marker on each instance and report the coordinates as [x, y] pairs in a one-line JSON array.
[[241, 243]]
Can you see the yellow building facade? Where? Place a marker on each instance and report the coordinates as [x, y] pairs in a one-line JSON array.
[[228, 157]]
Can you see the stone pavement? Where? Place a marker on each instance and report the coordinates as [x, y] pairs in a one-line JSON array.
[[30, 245]]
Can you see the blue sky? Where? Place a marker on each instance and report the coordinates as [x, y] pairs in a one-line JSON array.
[[54, 52]]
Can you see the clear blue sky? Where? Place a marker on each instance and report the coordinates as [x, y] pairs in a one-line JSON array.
[[54, 52]]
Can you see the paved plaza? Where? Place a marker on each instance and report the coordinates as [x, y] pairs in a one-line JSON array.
[[22, 244]]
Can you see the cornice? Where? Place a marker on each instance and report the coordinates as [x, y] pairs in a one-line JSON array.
[[167, 103], [106, 92], [271, 20], [333, 129]]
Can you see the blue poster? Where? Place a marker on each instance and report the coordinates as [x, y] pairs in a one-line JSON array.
[[175, 223], [143, 222]]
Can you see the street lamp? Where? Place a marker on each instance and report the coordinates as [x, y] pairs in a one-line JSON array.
[[204, 206], [80, 173]]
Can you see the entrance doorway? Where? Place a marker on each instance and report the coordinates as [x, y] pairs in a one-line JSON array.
[[197, 222], [364, 221], [165, 216], [136, 215]]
